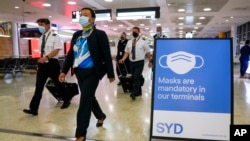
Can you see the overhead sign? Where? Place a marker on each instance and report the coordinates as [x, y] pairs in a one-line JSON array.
[[192, 89]]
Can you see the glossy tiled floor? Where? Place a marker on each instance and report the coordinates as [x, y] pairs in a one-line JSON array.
[[127, 120]]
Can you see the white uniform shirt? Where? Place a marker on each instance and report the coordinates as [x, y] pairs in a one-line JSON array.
[[141, 48], [52, 42]]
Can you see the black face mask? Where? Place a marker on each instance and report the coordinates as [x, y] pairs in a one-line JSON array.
[[135, 34], [122, 38]]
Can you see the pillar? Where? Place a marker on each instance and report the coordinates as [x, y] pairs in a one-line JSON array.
[[234, 38], [15, 40]]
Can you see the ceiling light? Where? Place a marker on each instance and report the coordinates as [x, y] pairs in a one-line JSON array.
[[17, 7], [202, 18], [169, 4], [108, 0], [138, 13], [71, 3], [207, 9], [181, 10], [181, 18], [46, 4]]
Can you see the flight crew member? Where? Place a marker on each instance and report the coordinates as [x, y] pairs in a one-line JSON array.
[[48, 66], [136, 49]]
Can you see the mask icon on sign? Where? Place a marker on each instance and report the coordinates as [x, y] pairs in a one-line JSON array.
[[180, 62]]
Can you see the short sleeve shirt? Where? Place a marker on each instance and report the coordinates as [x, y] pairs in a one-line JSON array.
[[141, 48], [52, 42]]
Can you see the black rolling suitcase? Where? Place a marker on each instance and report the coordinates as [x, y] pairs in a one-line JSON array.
[[125, 79], [71, 89], [126, 82]]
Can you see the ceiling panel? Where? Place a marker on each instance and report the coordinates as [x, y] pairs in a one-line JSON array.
[[60, 11]]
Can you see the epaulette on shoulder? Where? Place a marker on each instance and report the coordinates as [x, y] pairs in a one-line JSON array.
[[54, 34]]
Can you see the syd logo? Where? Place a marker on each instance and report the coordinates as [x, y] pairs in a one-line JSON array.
[[169, 128]]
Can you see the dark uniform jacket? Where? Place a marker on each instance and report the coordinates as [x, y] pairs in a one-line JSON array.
[[120, 49], [99, 49]]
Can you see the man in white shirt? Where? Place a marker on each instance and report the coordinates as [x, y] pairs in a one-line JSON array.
[[136, 49], [159, 33], [48, 67]]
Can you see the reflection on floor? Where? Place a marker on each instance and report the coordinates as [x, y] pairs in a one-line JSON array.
[[127, 120]]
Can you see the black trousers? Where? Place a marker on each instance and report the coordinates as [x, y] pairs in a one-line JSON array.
[[88, 82], [46, 70], [136, 71]]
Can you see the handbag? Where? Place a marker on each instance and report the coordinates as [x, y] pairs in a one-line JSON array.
[[72, 88]]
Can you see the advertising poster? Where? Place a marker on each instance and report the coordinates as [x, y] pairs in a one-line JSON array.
[[5, 29], [192, 89]]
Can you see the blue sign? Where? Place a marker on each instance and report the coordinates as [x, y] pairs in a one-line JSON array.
[[192, 78]]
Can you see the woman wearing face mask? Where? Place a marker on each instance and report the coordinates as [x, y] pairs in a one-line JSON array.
[[90, 58], [136, 49]]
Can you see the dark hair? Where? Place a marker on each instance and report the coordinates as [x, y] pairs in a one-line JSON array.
[[136, 28], [91, 11], [247, 42], [43, 20], [124, 33]]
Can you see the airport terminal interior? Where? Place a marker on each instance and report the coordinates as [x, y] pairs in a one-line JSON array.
[[127, 119]]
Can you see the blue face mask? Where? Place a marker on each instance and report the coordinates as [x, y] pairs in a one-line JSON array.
[[41, 29], [84, 21]]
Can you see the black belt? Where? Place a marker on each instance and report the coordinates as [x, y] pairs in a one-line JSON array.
[[137, 61]]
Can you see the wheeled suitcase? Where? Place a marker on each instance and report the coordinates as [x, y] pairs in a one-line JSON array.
[[126, 82], [125, 79], [70, 88]]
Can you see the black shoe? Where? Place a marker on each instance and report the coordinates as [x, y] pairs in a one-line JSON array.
[[139, 94], [65, 105], [132, 96], [26, 111], [100, 121]]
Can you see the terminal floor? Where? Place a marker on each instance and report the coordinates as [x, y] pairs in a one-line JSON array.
[[127, 120]]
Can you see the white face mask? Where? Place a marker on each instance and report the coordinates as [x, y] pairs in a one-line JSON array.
[[84, 21], [41, 29]]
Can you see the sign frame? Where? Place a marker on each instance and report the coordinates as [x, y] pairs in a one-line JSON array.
[[194, 49]]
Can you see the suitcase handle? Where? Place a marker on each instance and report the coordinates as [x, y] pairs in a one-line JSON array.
[[124, 67]]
